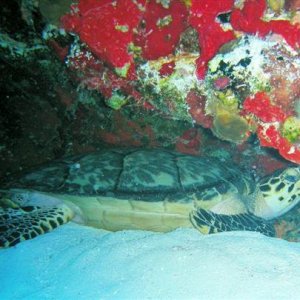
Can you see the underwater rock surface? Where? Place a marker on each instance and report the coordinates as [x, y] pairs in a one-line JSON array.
[[77, 262]]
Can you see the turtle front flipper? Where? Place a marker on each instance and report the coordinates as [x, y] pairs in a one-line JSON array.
[[24, 223], [208, 222]]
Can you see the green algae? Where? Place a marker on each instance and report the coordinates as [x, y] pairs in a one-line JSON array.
[[291, 129], [116, 101]]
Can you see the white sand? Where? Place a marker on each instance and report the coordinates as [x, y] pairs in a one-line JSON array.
[[76, 262]]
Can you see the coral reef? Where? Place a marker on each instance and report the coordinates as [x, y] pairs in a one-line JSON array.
[[249, 19], [163, 21], [97, 22], [255, 81], [212, 33], [173, 73], [167, 91], [246, 49]]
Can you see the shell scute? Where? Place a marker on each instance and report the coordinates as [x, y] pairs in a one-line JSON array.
[[138, 174]]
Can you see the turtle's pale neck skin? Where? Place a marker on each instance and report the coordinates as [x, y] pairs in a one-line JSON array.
[[276, 194]]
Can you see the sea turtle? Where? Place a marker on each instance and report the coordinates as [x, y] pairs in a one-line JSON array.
[[148, 189]]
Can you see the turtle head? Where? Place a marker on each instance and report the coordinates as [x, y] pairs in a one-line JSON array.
[[278, 193], [29, 198]]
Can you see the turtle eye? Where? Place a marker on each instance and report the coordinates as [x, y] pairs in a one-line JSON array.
[[291, 178], [291, 175]]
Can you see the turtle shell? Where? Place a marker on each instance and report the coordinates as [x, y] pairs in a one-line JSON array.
[[151, 174]]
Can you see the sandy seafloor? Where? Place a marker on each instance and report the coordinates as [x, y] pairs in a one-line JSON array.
[[77, 262]]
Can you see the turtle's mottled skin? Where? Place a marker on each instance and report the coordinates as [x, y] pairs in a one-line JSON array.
[[145, 189]]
